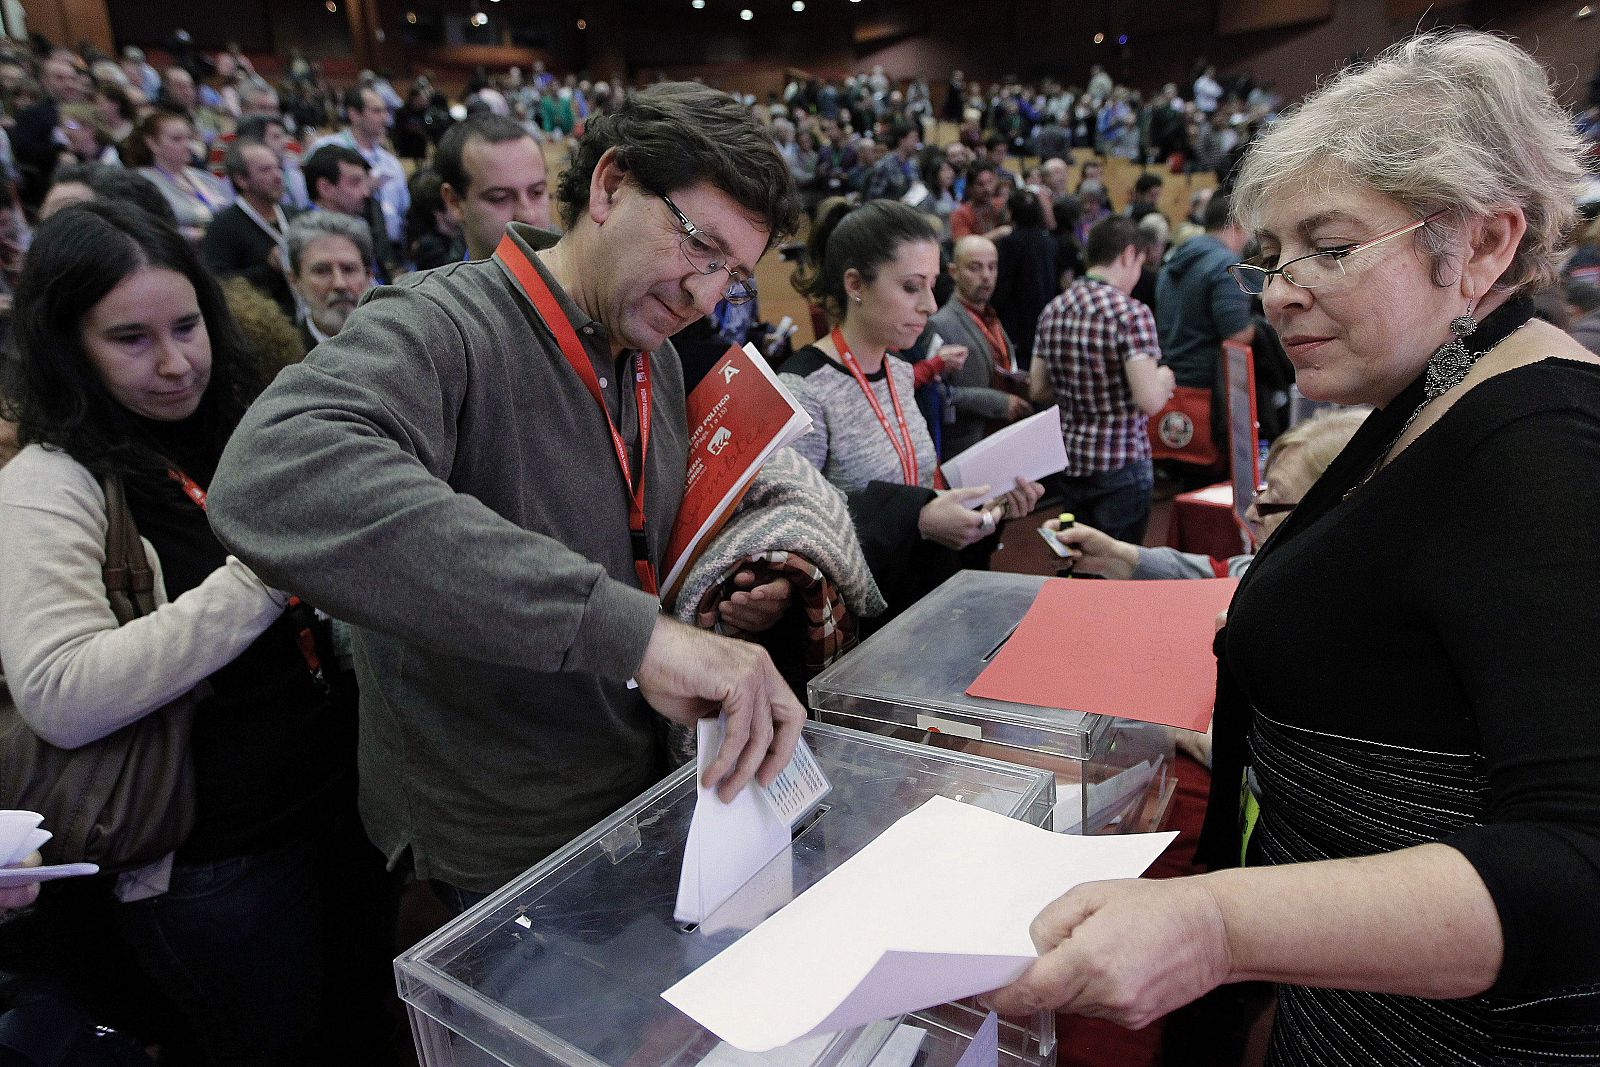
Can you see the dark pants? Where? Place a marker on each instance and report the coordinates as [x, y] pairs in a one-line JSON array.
[[272, 958], [234, 943], [1114, 502], [455, 899], [281, 957]]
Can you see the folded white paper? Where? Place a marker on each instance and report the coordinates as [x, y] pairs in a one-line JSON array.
[[15, 876], [20, 837], [729, 844], [935, 909], [1031, 448]]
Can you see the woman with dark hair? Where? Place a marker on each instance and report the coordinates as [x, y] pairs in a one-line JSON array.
[[129, 367], [939, 196], [435, 238], [162, 149], [872, 270]]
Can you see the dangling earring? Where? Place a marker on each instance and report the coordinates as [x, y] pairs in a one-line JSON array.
[[1450, 364]]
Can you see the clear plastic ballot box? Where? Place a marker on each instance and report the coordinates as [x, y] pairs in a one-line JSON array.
[[909, 680], [564, 966]]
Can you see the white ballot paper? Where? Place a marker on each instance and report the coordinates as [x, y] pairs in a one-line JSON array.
[[935, 909], [728, 844], [1028, 449], [20, 836]]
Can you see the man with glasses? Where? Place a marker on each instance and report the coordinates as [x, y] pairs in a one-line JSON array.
[[480, 473]]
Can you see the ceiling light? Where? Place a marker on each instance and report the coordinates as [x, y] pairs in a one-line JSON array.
[[747, 14], [1099, 38], [798, 5], [411, 17], [583, 24], [331, 6], [697, 4]]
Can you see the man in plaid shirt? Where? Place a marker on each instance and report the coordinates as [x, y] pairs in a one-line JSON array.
[[1097, 355]]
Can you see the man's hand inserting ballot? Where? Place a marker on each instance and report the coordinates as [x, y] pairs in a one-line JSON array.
[[688, 674]]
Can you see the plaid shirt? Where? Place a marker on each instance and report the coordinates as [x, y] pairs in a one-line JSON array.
[[1086, 337]]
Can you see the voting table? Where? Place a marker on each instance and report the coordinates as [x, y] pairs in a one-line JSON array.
[[909, 680], [1203, 521], [565, 966]]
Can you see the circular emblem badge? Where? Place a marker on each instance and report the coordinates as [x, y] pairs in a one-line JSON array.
[[1176, 429]]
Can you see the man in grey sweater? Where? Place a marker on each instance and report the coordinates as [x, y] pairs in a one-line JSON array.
[[447, 475]]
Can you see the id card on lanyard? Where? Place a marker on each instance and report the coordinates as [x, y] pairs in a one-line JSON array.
[[904, 447], [533, 287]]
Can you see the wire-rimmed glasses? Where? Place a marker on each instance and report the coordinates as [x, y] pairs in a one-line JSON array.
[[1319, 269], [706, 257]]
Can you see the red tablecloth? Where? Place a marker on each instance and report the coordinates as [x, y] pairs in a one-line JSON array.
[[1203, 521]]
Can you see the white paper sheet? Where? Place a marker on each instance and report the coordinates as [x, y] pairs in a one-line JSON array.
[[21, 836], [728, 843], [937, 908], [15, 876], [1028, 449]]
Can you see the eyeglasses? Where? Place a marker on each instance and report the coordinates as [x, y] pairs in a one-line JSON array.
[[1319, 270], [1265, 509], [704, 256]]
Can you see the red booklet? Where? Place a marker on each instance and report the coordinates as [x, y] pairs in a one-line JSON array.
[[739, 415]]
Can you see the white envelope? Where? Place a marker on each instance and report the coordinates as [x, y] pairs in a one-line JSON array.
[[728, 844], [1031, 448]]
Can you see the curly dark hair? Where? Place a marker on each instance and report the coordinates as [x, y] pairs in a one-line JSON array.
[[52, 391], [676, 134]]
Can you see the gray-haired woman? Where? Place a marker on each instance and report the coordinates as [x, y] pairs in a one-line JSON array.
[[1409, 671]]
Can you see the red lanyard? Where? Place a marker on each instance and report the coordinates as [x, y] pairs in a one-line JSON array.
[[544, 302], [304, 638], [906, 452], [995, 334]]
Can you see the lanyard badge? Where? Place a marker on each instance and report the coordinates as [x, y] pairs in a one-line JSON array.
[[533, 286]]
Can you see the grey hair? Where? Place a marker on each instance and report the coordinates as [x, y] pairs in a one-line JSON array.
[[317, 224], [1455, 121], [1156, 224]]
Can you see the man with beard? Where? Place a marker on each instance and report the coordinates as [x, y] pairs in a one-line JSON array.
[[329, 255]]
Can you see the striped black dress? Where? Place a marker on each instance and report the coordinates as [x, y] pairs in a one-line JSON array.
[[1419, 663]]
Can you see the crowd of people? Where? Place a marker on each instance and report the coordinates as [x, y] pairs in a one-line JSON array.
[[400, 419]]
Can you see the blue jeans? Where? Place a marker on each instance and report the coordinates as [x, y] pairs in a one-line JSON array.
[[281, 957], [1115, 502], [236, 944]]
